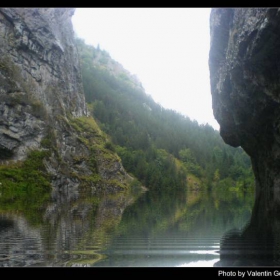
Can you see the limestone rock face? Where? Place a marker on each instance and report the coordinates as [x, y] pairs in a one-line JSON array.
[[244, 64], [41, 94], [39, 75]]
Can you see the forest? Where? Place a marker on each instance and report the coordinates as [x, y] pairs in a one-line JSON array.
[[162, 148]]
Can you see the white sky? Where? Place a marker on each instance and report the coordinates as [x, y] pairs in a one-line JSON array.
[[167, 48]]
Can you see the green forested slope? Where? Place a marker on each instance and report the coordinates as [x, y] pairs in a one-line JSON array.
[[159, 146]]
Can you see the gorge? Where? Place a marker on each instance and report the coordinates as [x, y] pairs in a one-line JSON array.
[[73, 123]]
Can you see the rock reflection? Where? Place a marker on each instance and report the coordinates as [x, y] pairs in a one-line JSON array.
[[72, 231], [258, 244], [17, 240]]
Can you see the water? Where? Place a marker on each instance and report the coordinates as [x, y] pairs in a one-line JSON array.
[[150, 229]]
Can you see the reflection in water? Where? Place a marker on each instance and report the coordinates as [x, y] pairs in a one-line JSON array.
[[162, 229], [156, 228], [247, 248], [18, 240], [199, 264], [258, 244], [71, 230]]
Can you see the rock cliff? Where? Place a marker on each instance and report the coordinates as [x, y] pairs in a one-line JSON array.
[[39, 72], [42, 104], [245, 73]]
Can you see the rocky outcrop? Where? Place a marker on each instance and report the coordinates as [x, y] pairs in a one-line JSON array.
[[245, 85], [41, 98], [39, 76]]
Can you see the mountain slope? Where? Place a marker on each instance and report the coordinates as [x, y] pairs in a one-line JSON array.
[[152, 140]]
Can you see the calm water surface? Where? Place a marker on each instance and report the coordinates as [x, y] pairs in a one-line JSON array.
[[151, 229]]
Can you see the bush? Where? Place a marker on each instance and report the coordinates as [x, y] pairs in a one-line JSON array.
[[108, 145]]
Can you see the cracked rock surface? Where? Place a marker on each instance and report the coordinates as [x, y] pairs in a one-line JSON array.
[[39, 75], [41, 91]]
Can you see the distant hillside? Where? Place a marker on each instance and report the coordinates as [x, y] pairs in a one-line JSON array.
[[159, 146], [102, 60]]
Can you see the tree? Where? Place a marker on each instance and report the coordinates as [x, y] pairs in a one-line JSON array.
[[216, 175]]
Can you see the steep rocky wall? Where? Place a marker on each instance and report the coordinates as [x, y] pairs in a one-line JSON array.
[[39, 75], [245, 85], [42, 105]]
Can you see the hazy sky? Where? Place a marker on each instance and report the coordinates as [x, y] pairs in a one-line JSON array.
[[167, 48]]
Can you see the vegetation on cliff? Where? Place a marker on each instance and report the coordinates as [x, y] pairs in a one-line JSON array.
[[25, 186]]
